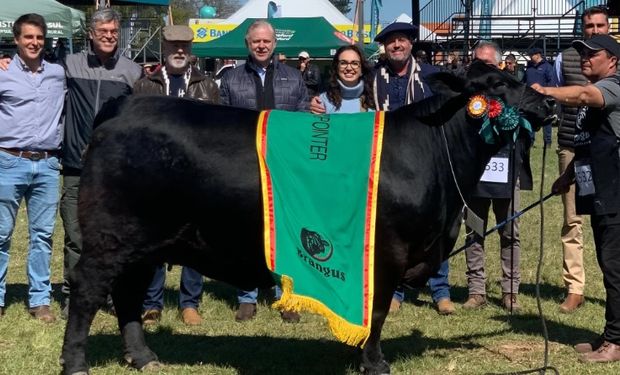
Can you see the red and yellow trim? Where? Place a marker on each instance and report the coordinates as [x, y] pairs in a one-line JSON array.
[[267, 190]]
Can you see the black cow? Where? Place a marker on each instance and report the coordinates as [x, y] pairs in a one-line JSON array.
[[177, 181]]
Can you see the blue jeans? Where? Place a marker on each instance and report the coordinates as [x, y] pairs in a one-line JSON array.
[[250, 296], [37, 182], [190, 289], [438, 285]]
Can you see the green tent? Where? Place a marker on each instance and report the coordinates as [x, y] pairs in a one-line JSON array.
[[62, 21], [314, 35]]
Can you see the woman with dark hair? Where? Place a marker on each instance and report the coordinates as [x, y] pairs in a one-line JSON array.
[[350, 86]]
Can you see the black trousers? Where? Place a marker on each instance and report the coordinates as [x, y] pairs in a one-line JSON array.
[[607, 241]]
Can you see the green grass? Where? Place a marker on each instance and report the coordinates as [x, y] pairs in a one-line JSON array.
[[415, 340]]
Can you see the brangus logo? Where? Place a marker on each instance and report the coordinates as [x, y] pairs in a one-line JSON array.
[[314, 244]]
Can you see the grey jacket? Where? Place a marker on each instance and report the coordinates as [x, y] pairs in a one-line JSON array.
[[90, 84], [238, 88]]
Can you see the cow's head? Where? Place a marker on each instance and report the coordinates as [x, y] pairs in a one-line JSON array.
[[489, 82]]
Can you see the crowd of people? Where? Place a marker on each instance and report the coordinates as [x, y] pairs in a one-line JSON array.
[[47, 111]]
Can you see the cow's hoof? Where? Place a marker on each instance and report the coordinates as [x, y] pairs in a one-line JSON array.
[[381, 368], [152, 366]]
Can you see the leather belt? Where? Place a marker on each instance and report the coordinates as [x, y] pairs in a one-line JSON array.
[[32, 155]]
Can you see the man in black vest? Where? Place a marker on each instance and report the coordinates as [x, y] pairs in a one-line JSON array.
[[596, 169], [568, 70]]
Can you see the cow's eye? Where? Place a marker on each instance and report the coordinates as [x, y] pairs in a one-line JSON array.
[[499, 84]]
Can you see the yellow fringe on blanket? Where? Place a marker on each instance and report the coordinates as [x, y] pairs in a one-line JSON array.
[[350, 334]]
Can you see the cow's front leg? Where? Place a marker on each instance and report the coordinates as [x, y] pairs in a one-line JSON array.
[[373, 362], [88, 293], [128, 297]]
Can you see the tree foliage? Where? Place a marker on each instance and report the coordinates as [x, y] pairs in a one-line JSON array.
[[344, 6]]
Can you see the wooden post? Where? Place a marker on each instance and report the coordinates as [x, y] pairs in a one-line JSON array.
[[170, 20]]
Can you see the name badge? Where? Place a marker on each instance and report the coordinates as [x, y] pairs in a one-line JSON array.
[[583, 177], [496, 170]]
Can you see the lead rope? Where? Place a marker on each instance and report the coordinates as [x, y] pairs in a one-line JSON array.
[[458, 188]]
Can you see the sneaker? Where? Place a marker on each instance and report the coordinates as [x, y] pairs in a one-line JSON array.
[[246, 312], [445, 307], [151, 317], [42, 313], [608, 352], [1, 310], [571, 303], [290, 316], [190, 316], [394, 305], [586, 347], [509, 302], [475, 301]]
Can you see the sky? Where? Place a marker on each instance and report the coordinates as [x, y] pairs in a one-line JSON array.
[[391, 9]]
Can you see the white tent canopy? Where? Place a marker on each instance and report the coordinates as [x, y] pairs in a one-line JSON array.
[[290, 8]]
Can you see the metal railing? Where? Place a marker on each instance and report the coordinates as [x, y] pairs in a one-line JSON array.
[[512, 24], [140, 39]]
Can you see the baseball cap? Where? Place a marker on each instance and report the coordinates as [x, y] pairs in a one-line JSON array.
[[598, 43], [304, 54], [402, 27], [178, 33]]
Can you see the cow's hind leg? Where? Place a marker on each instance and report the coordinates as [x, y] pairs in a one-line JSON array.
[[89, 289], [128, 297]]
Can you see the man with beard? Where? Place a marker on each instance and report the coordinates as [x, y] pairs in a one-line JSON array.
[[93, 78], [399, 80], [179, 78], [263, 83], [596, 171]]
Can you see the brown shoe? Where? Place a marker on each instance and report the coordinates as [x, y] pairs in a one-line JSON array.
[[394, 305], [509, 302], [1, 310], [151, 317], [445, 307], [42, 313], [608, 352], [586, 347], [190, 316], [246, 312], [475, 301], [290, 316], [571, 303]]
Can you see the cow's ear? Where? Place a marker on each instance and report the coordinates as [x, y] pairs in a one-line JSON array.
[[446, 84]]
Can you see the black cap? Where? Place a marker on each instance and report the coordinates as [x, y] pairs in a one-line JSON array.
[[401, 27], [598, 43], [534, 51]]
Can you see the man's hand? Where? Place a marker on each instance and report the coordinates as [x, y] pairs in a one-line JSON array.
[[539, 88], [563, 183], [316, 106], [4, 65]]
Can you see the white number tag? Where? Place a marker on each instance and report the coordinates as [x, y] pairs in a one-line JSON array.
[[583, 176], [496, 171]]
